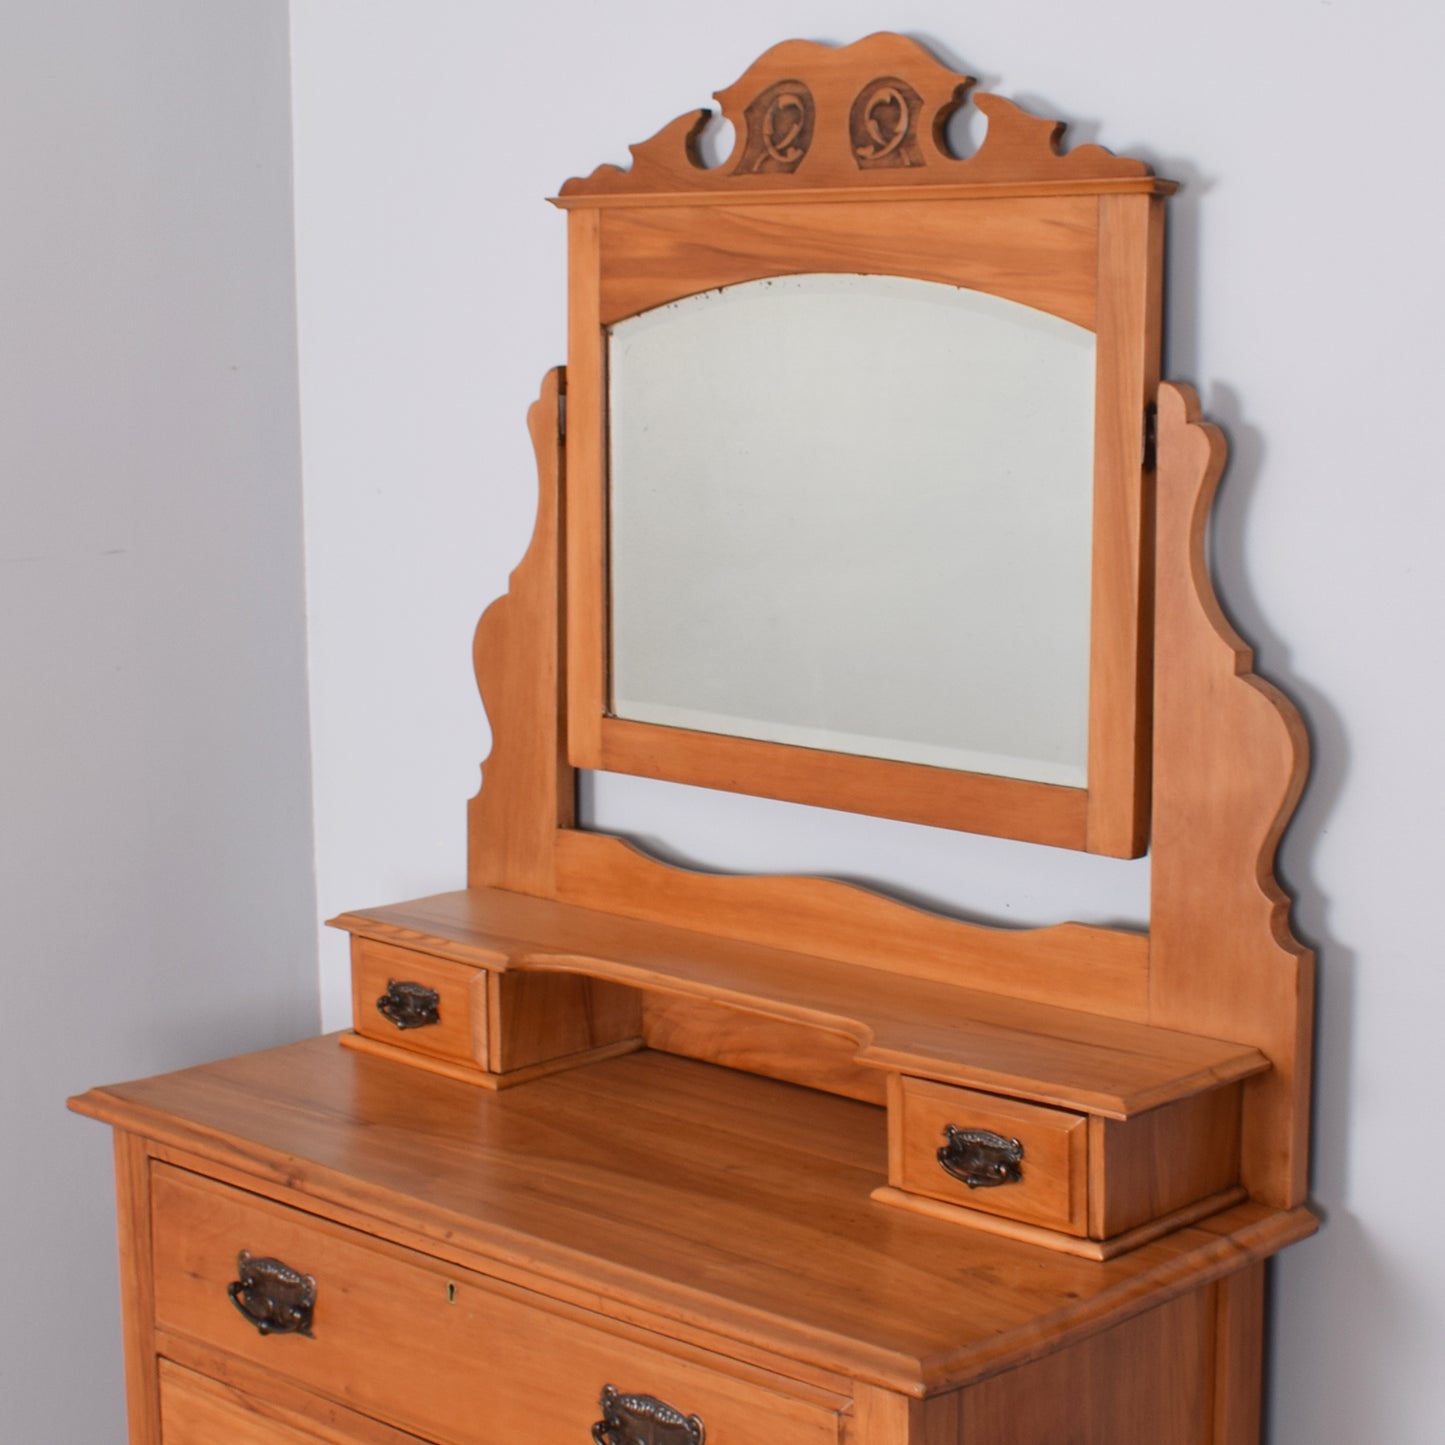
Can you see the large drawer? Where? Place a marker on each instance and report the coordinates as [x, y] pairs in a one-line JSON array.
[[449, 1355], [196, 1410]]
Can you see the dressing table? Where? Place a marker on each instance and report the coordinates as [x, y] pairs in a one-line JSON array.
[[860, 489]]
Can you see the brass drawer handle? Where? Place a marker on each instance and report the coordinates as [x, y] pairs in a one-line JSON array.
[[981, 1159], [643, 1420], [409, 1005], [276, 1299]]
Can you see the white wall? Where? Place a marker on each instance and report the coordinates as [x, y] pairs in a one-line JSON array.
[[1305, 302], [155, 838]]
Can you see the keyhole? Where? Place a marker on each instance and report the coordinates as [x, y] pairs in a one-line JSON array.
[[451, 1293]]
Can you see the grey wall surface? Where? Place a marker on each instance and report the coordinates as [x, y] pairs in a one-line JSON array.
[[156, 876]]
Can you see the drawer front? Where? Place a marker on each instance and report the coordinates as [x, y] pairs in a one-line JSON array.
[[196, 1410], [389, 999], [1043, 1181], [430, 1349]]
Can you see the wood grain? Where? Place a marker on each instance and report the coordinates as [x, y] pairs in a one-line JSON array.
[[837, 149], [1230, 756], [1239, 1357], [1098, 970], [545, 1369], [1162, 1161], [1145, 1380], [1034, 1051], [1040, 251], [756, 1044], [732, 1208], [1053, 1191], [137, 1286], [528, 792], [460, 1033], [1130, 305], [201, 1410]]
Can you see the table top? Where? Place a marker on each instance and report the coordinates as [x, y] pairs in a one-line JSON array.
[[709, 1204]]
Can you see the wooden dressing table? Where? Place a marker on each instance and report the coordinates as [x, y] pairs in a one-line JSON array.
[[622, 1152]]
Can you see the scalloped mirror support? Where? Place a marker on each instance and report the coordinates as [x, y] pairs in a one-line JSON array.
[[1230, 756]]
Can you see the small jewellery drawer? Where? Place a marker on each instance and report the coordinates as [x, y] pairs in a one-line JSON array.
[[1081, 1183], [443, 1353], [996, 1155], [419, 1002]]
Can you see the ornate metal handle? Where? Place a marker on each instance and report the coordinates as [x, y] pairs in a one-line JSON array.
[[276, 1299], [409, 1005], [980, 1159], [643, 1420]]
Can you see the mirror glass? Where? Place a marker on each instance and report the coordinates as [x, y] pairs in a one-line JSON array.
[[854, 513]]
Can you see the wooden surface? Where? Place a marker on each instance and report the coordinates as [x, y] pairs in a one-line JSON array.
[[137, 1287], [1094, 258], [399, 1336], [1075, 965], [528, 791], [728, 1212], [1054, 1188], [1034, 1051], [198, 1410], [1162, 1161], [858, 116], [460, 1033], [1230, 757], [1133, 1385], [1039, 251], [1128, 324]]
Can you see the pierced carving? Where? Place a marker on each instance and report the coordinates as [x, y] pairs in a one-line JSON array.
[[870, 113], [779, 130], [643, 1420], [883, 124]]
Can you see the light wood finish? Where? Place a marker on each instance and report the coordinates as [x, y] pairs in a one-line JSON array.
[[1056, 1239], [731, 1215], [398, 1336], [460, 1033], [137, 1287], [200, 1410], [536, 1018], [482, 1078], [1019, 151], [1130, 309], [1094, 258], [528, 791], [583, 566], [1042, 252], [1134, 1383], [1034, 1051], [727, 1240], [760, 1045], [1053, 1190], [879, 787], [1162, 1161], [1239, 1356], [1230, 756], [1097, 970]]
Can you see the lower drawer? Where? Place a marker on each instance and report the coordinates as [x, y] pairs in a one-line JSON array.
[[446, 1354], [196, 1410]]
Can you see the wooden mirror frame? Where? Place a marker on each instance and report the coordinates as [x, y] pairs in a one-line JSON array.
[[840, 165]]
